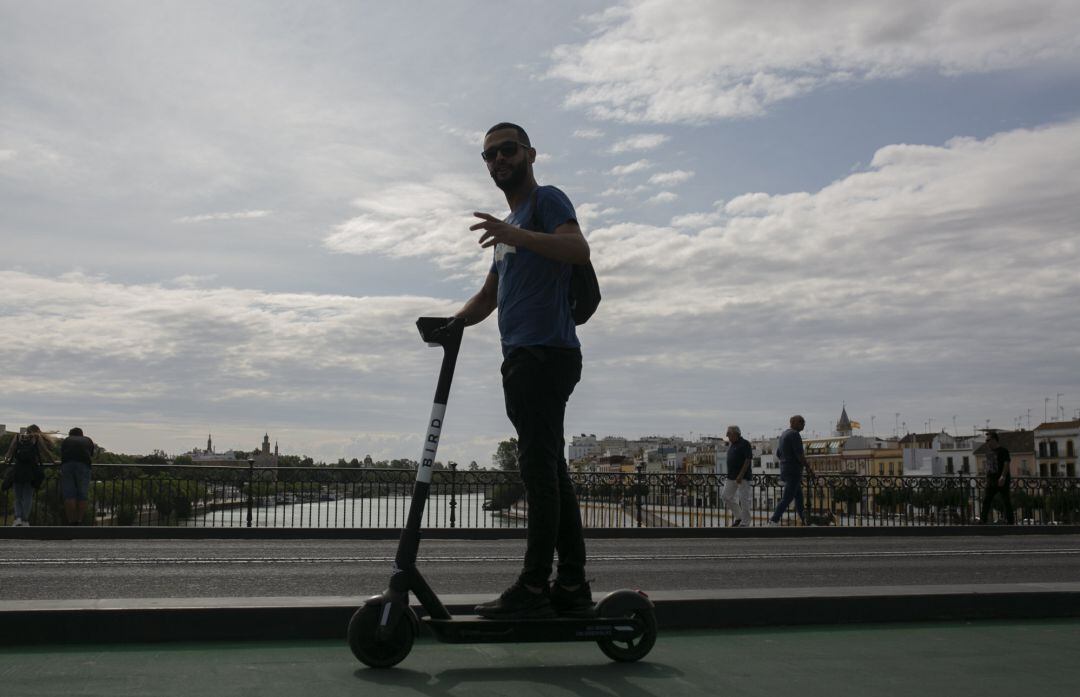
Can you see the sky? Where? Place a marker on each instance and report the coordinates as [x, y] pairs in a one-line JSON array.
[[225, 217]]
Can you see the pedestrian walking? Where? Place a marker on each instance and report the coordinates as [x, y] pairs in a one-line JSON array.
[[998, 478], [738, 486], [792, 464]]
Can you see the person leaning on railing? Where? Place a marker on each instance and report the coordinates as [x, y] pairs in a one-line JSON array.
[[26, 454], [76, 454]]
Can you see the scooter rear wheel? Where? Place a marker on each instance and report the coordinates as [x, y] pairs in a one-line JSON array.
[[387, 650], [630, 650]]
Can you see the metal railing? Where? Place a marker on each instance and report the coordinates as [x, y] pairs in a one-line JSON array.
[[307, 497]]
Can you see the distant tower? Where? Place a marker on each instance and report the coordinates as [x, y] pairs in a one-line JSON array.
[[266, 444], [275, 449], [843, 426], [209, 444]]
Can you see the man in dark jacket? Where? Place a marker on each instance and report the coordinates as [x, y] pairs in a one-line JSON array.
[[76, 453], [997, 478], [793, 462]]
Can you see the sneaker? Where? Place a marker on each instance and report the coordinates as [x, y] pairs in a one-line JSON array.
[[518, 603], [736, 523], [572, 603], [17, 523], [774, 523]]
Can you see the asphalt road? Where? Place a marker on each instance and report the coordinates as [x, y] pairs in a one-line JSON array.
[[76, 569], [959, 660]]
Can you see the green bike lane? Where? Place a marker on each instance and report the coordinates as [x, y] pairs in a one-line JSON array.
[[986, 659]]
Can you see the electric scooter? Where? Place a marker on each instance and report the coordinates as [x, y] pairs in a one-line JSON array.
[[382, 631]]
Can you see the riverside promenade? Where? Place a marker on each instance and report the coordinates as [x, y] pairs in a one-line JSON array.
[[833, 611]]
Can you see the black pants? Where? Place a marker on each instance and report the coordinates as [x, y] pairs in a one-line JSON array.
[[537, 382], [992, 490]]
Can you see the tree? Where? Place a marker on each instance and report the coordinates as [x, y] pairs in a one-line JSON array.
[[505, 457], [473, 467]]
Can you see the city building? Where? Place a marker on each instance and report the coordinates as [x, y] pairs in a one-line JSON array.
[[872, 457], [583, 446], [1021, 447], [211, 458], [1057, 443]]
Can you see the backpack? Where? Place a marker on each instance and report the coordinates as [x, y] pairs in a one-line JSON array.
[[26, 451], [26, 468], [584, 293]]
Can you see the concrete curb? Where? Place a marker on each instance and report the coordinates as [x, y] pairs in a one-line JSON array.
[[183, 533], [293, 619]]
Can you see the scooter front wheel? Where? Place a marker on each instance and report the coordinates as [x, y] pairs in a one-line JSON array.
[[381, 647], [636, 648]]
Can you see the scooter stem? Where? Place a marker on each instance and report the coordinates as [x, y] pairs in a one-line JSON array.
[[445, 332]]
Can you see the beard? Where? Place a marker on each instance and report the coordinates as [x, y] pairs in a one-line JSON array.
[[513, 179]]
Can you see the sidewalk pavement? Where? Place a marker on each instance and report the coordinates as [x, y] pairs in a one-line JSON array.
[[247, 619]]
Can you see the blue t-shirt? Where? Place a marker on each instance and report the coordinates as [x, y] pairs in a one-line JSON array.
[[534, 309], [788, 450], [737, 455]]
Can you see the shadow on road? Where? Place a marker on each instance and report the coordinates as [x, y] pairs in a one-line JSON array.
[[623, 679]]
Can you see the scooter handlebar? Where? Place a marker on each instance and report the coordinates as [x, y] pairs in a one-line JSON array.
[[441, 331]]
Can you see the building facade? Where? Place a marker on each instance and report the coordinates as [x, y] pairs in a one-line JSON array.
[[1056, 444]]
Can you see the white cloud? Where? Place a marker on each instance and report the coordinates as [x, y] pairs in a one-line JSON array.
[[668, 178], [911, 258], [467, 136], [227, 358], [644, 141], [698, 220], [427, 220], [590, 213], [588, 133], [238, 215], [623, 170], [661, 62], [663, 197], [623, 191]]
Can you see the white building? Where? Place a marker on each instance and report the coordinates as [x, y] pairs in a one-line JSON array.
[[765, 460], [939, 454], [583, 446], [1056, 445]]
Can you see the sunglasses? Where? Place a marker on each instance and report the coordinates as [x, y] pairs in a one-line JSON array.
[[508, 149]]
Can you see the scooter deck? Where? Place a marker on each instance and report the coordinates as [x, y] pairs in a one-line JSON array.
[[472, 629]]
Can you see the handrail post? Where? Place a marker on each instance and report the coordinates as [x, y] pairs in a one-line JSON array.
[[637, 493], [453, 495], [251, 490]]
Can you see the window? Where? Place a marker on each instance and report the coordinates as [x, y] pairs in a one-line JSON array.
[[1053, 448], [1042, 470], [1069, 452], [1042, 449]]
